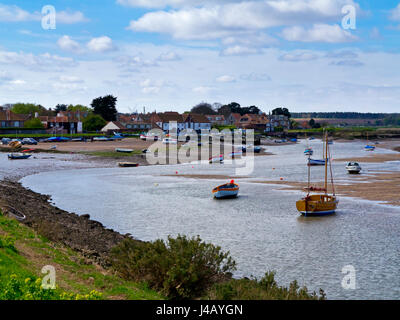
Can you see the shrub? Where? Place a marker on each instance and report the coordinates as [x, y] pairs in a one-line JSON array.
[[264, 289], [181, 268], [7, 242], [31, 289]]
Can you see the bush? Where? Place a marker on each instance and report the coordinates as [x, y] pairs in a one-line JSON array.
[[93, 122], [7, 242], [34, 123], [264, 289], [31, 289], [181, 268]]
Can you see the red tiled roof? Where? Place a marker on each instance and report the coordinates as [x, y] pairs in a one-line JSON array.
[[7, 115]]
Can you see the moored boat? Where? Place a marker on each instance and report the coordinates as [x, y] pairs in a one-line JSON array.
[[226, 191], [353, 168], [322, 203], [19, 156], [128, 164], [124, 150], [216, 159], [308, 152], [316, 162]]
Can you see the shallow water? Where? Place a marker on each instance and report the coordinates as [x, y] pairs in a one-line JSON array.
[[262, 228]]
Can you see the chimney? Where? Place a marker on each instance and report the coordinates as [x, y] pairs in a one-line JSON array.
[[8, 115], [36, 115]]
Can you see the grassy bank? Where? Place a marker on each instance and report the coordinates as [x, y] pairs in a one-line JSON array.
[[23, 253], [351, 133]]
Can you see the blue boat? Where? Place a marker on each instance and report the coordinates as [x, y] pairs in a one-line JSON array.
[[57, 139], [315, 162], [18, 156], [308, 152], [369, 148]]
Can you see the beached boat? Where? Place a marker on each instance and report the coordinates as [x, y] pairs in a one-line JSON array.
[[255, 149], [308, 152], [226, 191], [216, 159], [322, 203], [124, 150], [19, 156], [316, 162], [169, 141], [236, 154], [128, 164], [369, 147], [353, 168]]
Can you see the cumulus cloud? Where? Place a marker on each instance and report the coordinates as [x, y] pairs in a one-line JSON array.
[[70, 79], [101, 44], [13, 13], [70, 17], [299, 55], [203, 90], [255, 77], [36, 62], [66, 43], [226, 78], [149, 86], [219, 21], [134, 63], [171, 3], [318, 33], [239, 51]]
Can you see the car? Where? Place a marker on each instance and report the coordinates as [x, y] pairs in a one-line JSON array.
[[29, 141], [5, 141]]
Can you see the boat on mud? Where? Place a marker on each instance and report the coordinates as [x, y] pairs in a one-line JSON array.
[[124, 150], [128, 164], [216, 159], [19, 156], [226, 191], [321, 203]]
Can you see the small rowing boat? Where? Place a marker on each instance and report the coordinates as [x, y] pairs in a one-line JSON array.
[[316, 162], [128, 164], [226, 191], [216, 159], [124, 150], [308, 152], [18, 156]]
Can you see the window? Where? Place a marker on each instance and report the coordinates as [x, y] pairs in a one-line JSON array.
[[16, 124]]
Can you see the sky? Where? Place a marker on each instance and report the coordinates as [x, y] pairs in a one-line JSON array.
[[305, 55]]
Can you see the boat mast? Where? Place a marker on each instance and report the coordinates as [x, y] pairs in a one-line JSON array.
[[326, 162]]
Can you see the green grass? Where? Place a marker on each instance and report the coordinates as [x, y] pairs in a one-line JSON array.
[[111, 154], [75, 274]]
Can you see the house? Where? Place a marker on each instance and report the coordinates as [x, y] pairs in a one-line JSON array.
[[168, 121], [275, 121], [232, 119], [113, 126], [64, 122], [216, 119], [256, 122], [196, 122], [9, 119]]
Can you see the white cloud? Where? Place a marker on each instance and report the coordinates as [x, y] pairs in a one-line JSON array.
[[318, 33], [239, 50], [395, 13], [18, 82], [169, 56], [13, 13], [101, 44], [299, 55], [165, 3], [5, 76], [219, 21], [226, 78], [134, 63], [66, 43], [202, 90], [347, 63], [69, 17], [255, 77], [36, 62], [148, 86]]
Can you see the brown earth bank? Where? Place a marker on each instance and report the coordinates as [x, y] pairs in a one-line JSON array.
[[80, 233]]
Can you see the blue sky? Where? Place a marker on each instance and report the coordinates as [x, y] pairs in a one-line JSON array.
[[173, 54]]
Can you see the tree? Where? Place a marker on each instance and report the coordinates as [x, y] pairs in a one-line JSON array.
[[282, 111], [34, 123], [79, 108], [27, 108], [203, 108], [93, 122], [105, 107], [60, 107], [312, 123]]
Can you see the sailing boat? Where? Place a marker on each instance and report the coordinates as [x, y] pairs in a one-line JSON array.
[[369, 147], [318, 162], [321, 203], [308, 151]]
